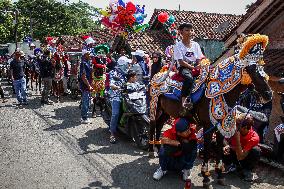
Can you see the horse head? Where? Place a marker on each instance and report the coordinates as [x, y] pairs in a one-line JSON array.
[[251, 57]]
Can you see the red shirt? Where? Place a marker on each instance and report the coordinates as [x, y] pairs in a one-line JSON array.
[[172, 134], [248, 141]]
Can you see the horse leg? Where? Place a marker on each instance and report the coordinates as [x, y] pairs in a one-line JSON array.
[[205, 165], [94, 107], [151, 138], [159, 125], [219, 167]]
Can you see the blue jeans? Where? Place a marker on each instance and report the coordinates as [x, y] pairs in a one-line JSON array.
[[86, 95], [115, 106], [172, 163], [20, 89]]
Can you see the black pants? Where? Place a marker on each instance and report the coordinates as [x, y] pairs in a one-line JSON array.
[[248, 163], [1, 92], [188, 81]]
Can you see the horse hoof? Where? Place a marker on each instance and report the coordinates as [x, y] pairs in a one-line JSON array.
[[207, 186], [221, 182], [151, 155]]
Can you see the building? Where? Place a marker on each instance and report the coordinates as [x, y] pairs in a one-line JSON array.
[[265, 17], [210, 29]]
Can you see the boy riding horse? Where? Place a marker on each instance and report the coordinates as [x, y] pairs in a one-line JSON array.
[[188, 55]]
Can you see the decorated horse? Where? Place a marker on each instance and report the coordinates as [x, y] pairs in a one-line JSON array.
[[57, 83], [216, 94], [99, 77]]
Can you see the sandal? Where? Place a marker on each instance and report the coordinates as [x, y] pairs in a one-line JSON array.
[[112, 139]]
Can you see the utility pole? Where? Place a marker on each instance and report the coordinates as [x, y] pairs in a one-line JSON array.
[[16, 27], [31, 25]]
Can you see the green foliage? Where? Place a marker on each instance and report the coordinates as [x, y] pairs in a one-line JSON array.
[[49, 17]]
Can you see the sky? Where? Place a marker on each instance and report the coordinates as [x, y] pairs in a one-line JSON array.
[[212, 6]]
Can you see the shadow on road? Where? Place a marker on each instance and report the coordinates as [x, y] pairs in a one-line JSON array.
[[69, 115], [100, 137]]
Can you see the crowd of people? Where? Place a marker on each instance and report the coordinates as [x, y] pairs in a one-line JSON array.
[[52, 68]]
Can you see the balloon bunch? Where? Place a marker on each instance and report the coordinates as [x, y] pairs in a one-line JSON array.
[[124, 17], [169, 23]]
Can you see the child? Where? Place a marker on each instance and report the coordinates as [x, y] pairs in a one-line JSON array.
[[188, 55]]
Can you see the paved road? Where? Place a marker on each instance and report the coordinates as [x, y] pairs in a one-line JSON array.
[[47, 147]]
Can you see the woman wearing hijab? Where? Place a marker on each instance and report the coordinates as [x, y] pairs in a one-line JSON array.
[[156, 64]]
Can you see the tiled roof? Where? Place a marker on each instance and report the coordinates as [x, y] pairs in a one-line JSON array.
[[75, 42], [274, 62], [150, 40], [102, 35], [206, 25]]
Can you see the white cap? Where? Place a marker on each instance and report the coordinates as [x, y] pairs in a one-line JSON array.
[[139, 53], [89, 41], [22, 53], [123, 60], [32, 45], [84, 51]]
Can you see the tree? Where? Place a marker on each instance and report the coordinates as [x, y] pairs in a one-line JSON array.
[[49, 17]]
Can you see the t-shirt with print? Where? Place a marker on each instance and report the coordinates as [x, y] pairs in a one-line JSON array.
[[190, 55], [247, 142]]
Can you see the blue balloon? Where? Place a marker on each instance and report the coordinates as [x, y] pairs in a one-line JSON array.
[[140, 10], [121, 3], [139, 18]]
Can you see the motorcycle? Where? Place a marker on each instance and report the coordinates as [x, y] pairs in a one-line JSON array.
[[133, 121]]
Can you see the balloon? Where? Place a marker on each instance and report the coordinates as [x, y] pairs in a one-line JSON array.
[[139, 18], [105, 13], [141, 27], [114, 8], [130, 8], [163, 17], [171, 19], [140, 10], [112, 18], [85, 37], [169, 51], [121, 3], [105, 21]]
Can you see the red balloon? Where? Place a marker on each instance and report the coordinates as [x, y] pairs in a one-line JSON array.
[[49, 39], [85, 37], [163, 17], [130, 8]]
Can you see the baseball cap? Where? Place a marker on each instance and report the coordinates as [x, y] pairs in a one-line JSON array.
[[138, 53], [123, 60], [181, 125]]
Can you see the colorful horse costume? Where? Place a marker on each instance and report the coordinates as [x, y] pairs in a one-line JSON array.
[[215, 96]]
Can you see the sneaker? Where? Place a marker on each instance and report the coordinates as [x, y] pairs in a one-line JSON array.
[[85, 121], [249, 176], [159, 174], [186, 174], [230, 168], [187, 103]]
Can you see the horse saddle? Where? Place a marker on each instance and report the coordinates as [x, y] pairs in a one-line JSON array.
[[174, 86]]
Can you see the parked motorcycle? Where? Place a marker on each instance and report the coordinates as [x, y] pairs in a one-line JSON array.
[[133, 121]]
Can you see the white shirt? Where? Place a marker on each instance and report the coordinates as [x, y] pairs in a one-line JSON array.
[[189, 55]]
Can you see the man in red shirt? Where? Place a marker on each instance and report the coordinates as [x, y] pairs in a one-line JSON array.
[[179, 149], [243, 149]]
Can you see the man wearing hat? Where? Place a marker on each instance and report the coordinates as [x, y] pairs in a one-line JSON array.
[[18, 77], [85, 84], [179, 149], [139, 66]]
